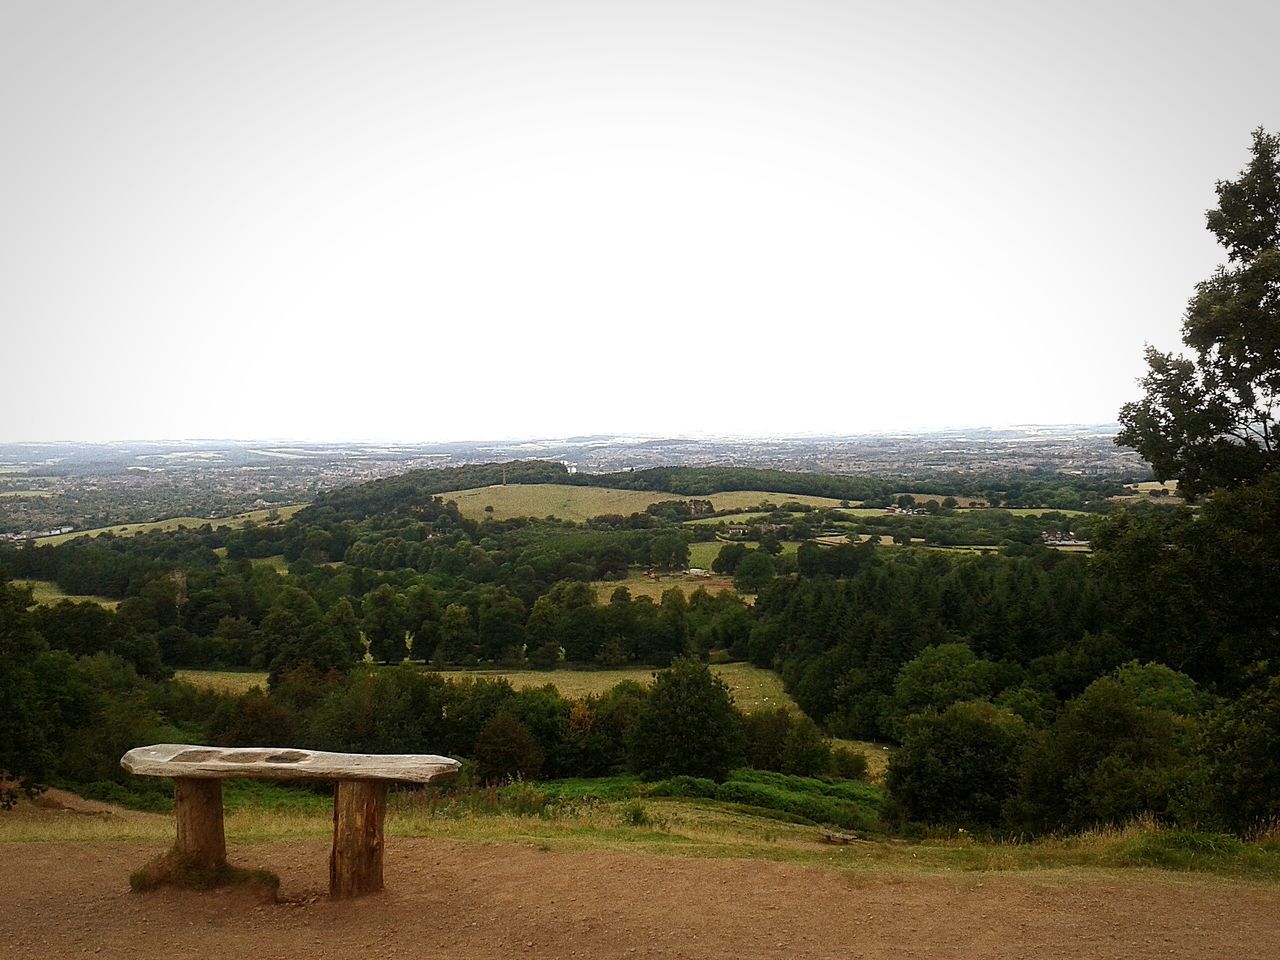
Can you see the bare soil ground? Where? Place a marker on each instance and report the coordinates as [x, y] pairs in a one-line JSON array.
[[450, 898]]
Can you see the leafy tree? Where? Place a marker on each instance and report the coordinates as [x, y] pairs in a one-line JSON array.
[[1209, 420], [957, 767], [669, 551], [25, 747], [728, 558], [754, 572], [384, 624], [688, 725], [940, 676], [1242, 759], [457, 636], [1107, 759], [506, 749]]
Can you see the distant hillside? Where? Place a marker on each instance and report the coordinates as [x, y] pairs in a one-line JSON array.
[[395, 493]]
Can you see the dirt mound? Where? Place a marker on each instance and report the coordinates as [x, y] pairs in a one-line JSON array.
[[455, 899]]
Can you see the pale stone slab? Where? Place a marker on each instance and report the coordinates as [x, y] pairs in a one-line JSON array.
[[281, 763]]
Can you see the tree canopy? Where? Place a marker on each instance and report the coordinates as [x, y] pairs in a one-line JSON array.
[[1209, 419]]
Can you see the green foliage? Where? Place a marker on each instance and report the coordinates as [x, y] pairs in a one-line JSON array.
[[1107, 759], [957, 767], [849, 806], [940, 676], [1209, 420], [847, 764], [753, 572], [507, 750], [688, 725], [1242, 757]]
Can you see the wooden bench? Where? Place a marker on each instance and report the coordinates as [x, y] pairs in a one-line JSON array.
[[359, 806]]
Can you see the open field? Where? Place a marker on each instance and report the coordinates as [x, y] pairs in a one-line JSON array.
[[26, 493], [560, 500], [752, 687], [569, 502], [730, 519], [641, 586], [1035, 511], [922, 498], [1150, 486], [177, 523], [702, 554], [48, 593], [277, 563], [226, 681], [697, 879]]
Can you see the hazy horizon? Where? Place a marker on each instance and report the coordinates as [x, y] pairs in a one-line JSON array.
[[547, 437], [498, 219]]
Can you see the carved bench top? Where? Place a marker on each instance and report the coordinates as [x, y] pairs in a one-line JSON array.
[[282, 763]]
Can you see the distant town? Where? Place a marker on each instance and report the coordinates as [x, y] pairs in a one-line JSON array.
[[50, 489]]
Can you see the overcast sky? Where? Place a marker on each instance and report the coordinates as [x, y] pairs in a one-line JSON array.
[[418, 221]]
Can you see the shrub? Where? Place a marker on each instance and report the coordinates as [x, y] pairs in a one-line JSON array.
[[506, 750], [958, 767], [1106, 760], [685, 787], [688, 725], [1242, 757], [848, 764]]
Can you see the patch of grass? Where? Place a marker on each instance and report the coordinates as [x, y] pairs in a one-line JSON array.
[[277, 563], [224, 681], [752, 687], [703, 554], [569, 502], [695, 827], [641, 585], [178, 523], [47, 593]]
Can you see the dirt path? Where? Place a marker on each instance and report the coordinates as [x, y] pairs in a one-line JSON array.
[[455, 899]]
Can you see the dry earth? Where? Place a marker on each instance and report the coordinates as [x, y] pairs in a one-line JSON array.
[[459, 899]]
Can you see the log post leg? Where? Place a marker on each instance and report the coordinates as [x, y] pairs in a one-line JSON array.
[[198, 805], [355, 865]]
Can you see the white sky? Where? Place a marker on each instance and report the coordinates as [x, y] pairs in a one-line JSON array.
[[406, 220]]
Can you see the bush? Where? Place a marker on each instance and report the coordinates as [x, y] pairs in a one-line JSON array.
[[1107, 760], [685, 787], [958, 767], [688, 725], [507, 750], [811, 803], [1242, 757], [848, 764]]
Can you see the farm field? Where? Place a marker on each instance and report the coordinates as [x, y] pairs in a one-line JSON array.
[[277, 563], [48, 593], [176, 523], [731, 518], [26, 493], [569, 502], [641, 586], [752, 687], [1032, 511], [701, 555], [1151, 486], [922, 498], [225, 681]]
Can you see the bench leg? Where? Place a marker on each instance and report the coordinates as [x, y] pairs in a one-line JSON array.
[[198, 805], [355, 865]]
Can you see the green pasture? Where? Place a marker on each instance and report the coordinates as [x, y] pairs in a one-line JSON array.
[[177, 523]]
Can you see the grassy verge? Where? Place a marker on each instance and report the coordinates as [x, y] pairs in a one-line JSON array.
[[621, 815]]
